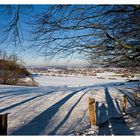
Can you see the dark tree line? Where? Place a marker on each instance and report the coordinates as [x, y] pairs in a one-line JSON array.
[[103, 34], [10, 69]]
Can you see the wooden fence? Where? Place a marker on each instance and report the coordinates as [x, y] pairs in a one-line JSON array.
[[93, 109]]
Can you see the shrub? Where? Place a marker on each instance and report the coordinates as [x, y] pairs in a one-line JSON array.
[[10, 70]]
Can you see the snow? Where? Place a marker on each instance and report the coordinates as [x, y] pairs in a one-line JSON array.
[[72, 81], [59, 105]]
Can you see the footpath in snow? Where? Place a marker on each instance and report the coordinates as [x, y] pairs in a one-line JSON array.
[[59, 106]]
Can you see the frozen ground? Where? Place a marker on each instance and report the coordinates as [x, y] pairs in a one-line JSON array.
[[59, 106]]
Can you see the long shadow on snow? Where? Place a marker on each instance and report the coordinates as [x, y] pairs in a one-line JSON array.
[[53, 132], [10, 91], [65, 88], [112, 111], [114, 126], [5, 96], [26, 90], [71, 129], [134, 88], [105, 113], [19, 91], [13, 93], [23, 102], [128, 95], [39, 123]]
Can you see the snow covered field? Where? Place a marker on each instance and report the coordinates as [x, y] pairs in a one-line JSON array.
[[59, 106]]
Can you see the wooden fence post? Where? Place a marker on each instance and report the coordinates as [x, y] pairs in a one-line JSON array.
[[3, 124], [92, 111], [124, 101]]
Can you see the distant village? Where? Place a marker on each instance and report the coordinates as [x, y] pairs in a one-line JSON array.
[[82, 71]]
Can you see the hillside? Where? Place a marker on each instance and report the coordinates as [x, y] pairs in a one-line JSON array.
[[59, 106], [12, 73]]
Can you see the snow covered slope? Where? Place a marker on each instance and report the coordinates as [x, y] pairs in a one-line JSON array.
[[59, 105]]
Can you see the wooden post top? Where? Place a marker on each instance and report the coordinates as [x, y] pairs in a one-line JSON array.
[[91, 100]]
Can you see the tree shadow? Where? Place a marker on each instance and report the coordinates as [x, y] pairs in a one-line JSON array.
[[23, 102], [53, 132], [5, 96], [116, 124], [118, 106], [15, 93], [76, 123], [127, 93], [40, 122], [18, 90]]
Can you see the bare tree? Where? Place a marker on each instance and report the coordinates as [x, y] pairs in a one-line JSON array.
[[10, 69], [104, 34], [11, 29]]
